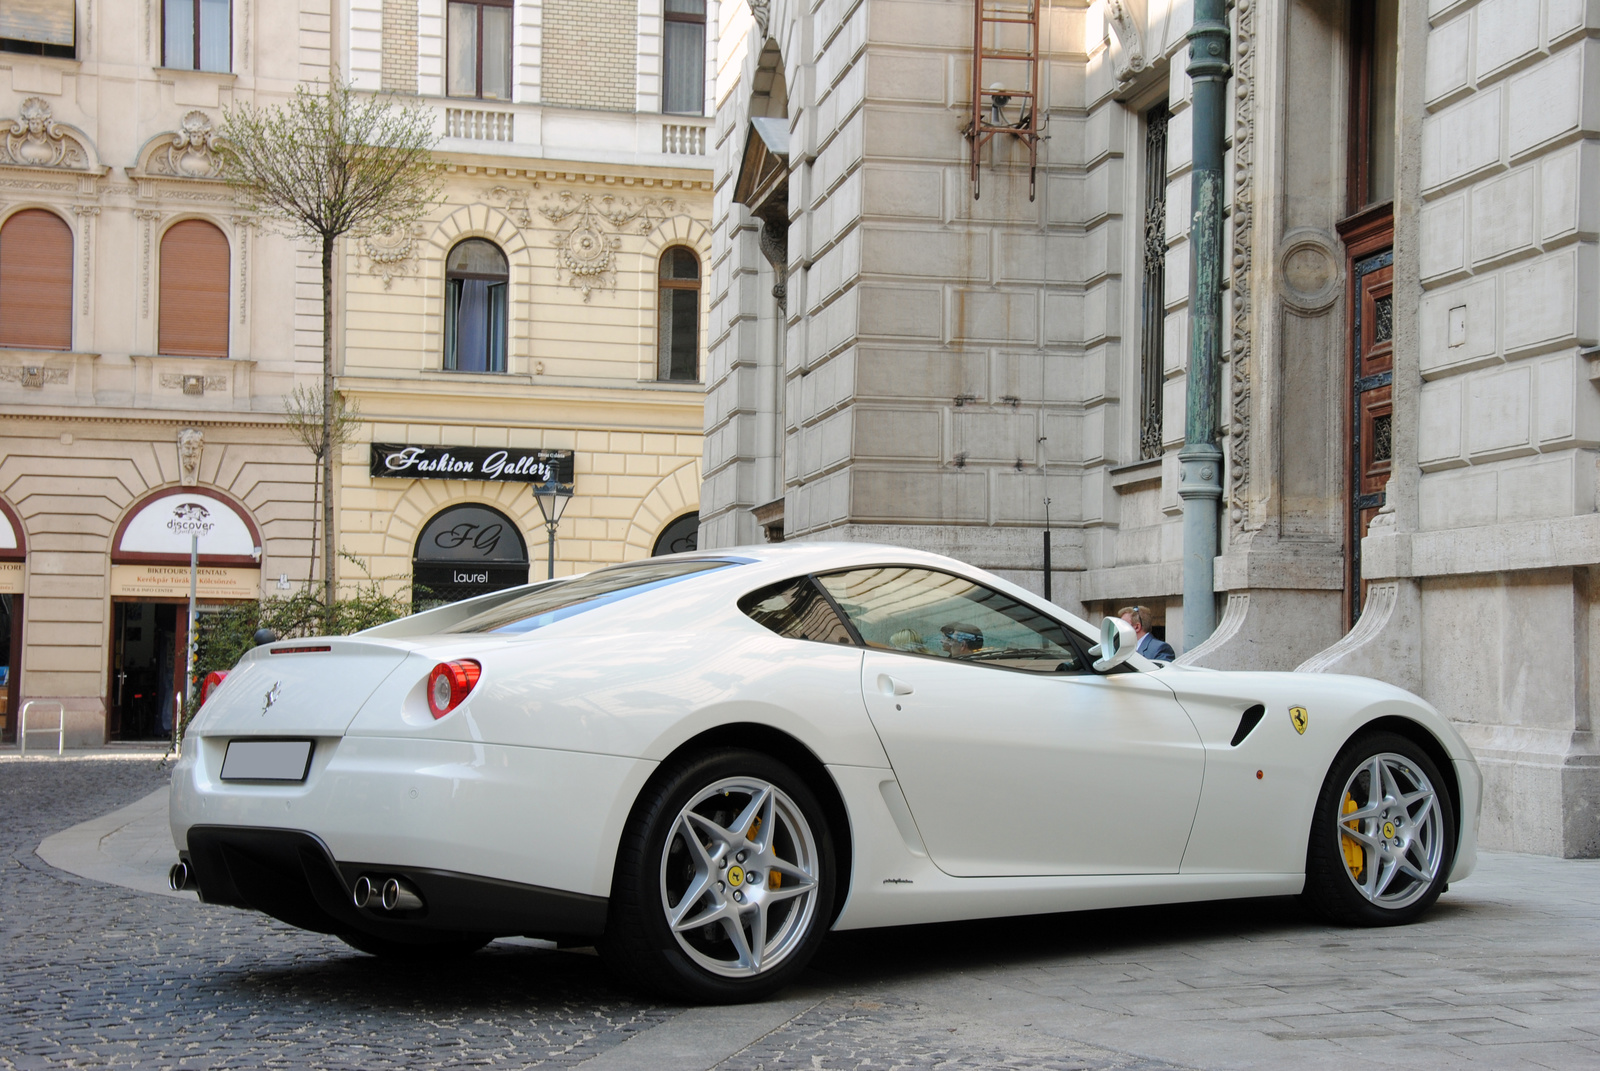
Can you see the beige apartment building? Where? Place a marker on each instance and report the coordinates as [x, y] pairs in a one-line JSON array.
[[550, 309]]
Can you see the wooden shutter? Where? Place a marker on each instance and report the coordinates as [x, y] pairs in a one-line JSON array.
[[36, 281], [194, 290]]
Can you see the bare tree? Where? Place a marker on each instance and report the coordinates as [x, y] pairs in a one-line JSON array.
[[328, 163]]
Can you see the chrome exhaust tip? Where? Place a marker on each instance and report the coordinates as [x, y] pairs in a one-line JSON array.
[[364, 894], [398, 896], [180, 877]]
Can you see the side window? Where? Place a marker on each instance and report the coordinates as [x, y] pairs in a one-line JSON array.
[[796, 609], [923, 612]]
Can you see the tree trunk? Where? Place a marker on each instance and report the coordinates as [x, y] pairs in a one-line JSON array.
[[329, 558]]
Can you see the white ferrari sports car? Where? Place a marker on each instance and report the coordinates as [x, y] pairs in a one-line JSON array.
[[702, 763]]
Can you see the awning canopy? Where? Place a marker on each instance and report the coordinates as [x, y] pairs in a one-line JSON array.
[[44, 22], [763, 182]]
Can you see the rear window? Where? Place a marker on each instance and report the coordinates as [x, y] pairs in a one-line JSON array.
[[552, 602]]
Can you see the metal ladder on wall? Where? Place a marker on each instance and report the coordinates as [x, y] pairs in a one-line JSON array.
[[1005, 74]]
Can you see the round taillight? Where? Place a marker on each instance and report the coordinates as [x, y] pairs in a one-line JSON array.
[[450, 683], [213, 681]]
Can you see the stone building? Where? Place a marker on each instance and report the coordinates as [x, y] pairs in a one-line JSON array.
[[150, 331], [551, 305], [933, 318]]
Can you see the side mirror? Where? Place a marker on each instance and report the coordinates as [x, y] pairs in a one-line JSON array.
[[1117, 642]]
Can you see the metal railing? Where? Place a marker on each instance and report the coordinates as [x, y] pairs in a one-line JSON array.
[[60, 728]]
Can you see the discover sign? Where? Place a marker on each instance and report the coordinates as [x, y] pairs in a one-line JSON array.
[[392, 461]]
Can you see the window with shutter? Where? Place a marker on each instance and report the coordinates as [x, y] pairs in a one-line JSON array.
[[194, 290], [36, 281]]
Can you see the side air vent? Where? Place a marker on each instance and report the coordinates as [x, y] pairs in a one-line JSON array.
[[1252, 717]]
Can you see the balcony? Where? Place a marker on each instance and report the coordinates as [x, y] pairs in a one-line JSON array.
[[524, 131]]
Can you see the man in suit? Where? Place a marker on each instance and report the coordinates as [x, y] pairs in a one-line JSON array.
[[1156, 650]]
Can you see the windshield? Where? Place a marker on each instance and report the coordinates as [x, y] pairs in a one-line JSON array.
[[552, 602]]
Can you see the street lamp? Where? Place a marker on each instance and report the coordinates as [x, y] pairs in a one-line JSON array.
[[552, 499]]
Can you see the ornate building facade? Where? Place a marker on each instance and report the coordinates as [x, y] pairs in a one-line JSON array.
[[551, 305], [950, 309]]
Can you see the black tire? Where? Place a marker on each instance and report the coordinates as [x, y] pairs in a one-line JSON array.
[[653, 862], [452, 946], [1342, 883]]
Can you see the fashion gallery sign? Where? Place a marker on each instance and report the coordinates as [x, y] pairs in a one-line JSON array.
[[493, 464]]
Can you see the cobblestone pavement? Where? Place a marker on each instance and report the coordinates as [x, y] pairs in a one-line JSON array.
[[1505, 972]]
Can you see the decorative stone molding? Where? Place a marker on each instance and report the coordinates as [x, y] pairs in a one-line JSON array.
[[35, 139], [86, 216], [193, 385], [1310, 271], [762, 10], [514, 203], [389, 255], [191, 443], [1386, 642], [33, 376], [190, 152], [1240, 514], [1132, 61], [148, 217], [586, 251], [242, 226]]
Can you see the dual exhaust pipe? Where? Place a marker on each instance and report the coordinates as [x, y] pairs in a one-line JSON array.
[[369, 894], [384, 894]]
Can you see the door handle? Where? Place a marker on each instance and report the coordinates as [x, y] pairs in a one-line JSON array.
[[890, 686]]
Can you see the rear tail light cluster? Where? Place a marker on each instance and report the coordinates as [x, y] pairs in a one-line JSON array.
[[450, 683], [213, 681]]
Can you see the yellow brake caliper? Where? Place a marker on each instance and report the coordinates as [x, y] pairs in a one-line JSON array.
[[1355, 856], [774, 879]]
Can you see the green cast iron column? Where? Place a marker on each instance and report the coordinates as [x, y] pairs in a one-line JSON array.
[[1200, 485]]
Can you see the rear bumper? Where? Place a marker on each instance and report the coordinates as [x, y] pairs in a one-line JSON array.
[[291, 875]]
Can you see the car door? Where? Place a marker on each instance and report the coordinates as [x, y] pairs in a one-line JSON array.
[[1014, 756]]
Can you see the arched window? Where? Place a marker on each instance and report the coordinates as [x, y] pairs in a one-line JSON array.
[[475, 307], [36, 281], [467, 550], [678, 353], [194, 291]]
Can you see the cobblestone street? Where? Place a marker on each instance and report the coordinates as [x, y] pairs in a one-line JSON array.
[[1504, 973]]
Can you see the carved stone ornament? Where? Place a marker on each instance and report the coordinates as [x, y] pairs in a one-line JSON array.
[[1132, 60], [33, 376], [1244, 169], [34, 139], [191, 152], [514, 202], [195, 385], [389, 255], [586, 251], [762, 10], [191, 442]]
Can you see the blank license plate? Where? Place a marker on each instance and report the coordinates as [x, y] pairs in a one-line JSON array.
[[267, 760]]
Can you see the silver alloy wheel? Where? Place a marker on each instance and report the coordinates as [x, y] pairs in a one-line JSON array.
[[739, 877], [1391, 831]]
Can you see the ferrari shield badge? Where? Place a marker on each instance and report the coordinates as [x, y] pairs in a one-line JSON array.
[[1299, 717]]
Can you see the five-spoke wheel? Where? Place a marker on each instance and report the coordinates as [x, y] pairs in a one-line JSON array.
[[724, 884], [1383, 835]]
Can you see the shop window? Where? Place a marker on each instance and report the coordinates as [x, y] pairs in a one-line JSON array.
[[467, 550], [39, 28], [479, 53], [683, 61], [476, 280], [197, 35], [36, 281], [678, 342], [194, 291]]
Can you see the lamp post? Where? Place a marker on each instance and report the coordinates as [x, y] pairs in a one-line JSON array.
[[552, 499]]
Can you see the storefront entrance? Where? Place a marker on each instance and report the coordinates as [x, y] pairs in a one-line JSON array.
[[147, 645], [466, 551], [13, 559]]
